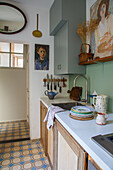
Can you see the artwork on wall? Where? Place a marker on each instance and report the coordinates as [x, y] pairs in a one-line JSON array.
[[102, 38], [41, 57]]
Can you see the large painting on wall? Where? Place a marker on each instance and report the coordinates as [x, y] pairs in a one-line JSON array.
[[102, 37], [41, 57]]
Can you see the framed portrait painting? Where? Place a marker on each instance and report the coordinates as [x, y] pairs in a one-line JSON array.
[[102, 38], [41, 61]]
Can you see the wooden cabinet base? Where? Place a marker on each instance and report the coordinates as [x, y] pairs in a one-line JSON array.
[[43, 127], [46, 136], [68, 154], [50, 146]]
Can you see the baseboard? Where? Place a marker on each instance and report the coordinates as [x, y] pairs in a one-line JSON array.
[[21, 120], [14, 140]]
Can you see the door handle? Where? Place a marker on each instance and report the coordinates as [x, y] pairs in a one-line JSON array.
[[27, 90]]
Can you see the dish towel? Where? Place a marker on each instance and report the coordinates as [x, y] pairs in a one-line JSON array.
[[52, 110]]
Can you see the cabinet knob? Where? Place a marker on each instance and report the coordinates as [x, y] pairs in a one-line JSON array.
[[59, 67]]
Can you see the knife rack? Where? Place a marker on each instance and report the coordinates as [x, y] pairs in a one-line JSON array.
[[56, 80]]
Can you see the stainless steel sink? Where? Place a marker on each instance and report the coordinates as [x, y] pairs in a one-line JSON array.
[[67, 106]]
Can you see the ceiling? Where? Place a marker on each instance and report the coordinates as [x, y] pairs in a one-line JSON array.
[[13, 15], [42, 3]]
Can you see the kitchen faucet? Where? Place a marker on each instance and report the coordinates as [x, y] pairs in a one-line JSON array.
[[86, 92]]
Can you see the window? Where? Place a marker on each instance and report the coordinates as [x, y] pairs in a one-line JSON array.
[[11, 55]]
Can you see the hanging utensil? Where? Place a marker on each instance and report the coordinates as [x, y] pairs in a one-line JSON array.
[[64, 85], [47, 81], [60, 86], [51, 82], [55, 87], [58, 82], [44, 80], [37, 33]]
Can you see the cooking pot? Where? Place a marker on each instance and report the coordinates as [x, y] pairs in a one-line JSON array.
[[75, 93]]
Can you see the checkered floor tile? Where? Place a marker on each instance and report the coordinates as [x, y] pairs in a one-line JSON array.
[[23, 155], [14, 130]]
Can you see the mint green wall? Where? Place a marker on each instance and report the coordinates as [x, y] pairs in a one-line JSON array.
[[100, 78]]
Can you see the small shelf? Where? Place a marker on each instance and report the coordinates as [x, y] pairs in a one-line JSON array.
[[95, 61]]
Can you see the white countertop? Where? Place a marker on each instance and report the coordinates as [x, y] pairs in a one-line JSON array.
[[82, 131]]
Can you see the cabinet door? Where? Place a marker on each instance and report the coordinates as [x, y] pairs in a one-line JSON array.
[[61, 50], [67, 159], [56, 17], [65, 16], [43, 127], [68, 153]]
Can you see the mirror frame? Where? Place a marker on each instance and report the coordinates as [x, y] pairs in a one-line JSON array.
[[25, 19]]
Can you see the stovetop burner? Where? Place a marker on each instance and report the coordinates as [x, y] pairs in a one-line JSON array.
[[105, 141]]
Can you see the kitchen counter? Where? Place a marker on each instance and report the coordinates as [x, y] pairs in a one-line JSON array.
[[82, 131]]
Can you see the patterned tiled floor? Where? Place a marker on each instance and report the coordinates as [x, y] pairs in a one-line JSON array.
[[14, 130], [23, 155]]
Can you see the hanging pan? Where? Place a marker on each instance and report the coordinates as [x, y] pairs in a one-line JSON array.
[[37, 33]]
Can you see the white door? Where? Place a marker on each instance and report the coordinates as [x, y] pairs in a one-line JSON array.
[[27, 82]]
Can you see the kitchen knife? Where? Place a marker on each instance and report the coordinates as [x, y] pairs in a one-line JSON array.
[[58, 82], [64, 85], [51, 82], [47, 82], [55, 85], [60, 87]]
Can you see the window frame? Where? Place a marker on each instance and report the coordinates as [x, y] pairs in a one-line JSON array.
[[10, 53]]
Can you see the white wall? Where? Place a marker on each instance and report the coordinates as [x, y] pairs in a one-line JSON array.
[[31, 8], [89, 3]]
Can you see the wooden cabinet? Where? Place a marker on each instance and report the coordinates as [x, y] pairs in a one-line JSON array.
[[65, 16], [62, 150], [59, 146], [46, 136], [68, 154], [43, 127], [50, 147], [92, 165]]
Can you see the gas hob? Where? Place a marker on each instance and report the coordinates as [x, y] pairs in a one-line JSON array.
[[105, 141]]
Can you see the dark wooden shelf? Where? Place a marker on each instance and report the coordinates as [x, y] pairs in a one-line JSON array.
[[95, 61]]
